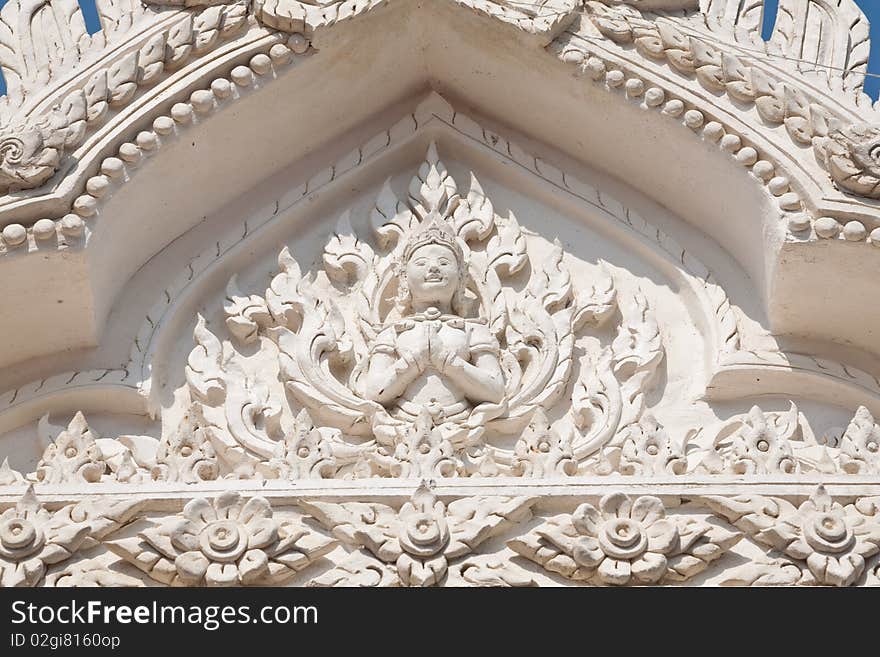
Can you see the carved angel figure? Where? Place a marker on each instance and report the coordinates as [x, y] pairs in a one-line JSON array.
[[420, 350], [433, 357]]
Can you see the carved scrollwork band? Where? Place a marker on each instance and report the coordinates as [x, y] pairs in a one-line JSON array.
[[755, 443], [620, 539], [31, 153]]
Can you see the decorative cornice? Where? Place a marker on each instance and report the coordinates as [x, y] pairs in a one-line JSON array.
[[846, 151], [32, 150], [415, 534], [174, 495], [71, 229], [571, 49]]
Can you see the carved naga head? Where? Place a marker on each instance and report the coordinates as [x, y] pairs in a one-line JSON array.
[[27, 157], [852, 156]]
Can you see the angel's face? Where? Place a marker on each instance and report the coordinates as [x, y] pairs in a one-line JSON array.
[[433, 275]]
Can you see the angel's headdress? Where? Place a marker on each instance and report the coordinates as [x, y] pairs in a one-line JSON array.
[[434, 230]]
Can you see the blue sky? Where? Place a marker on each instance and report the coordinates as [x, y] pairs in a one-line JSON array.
[[870, 7]]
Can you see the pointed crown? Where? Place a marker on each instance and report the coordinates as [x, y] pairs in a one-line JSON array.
[[434, 230]]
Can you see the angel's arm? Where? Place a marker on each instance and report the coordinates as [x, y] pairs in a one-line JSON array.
[[482, 381], [388, 377]]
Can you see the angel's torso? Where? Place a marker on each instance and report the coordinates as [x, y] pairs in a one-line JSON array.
[[432, 389]]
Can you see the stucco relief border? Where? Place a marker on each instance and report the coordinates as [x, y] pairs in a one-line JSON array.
[[609, 536], [614, 73], [811, 117], [69, 116], [53, 121]]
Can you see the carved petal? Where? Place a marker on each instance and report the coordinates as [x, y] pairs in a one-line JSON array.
[[70, 537], [586, 552], [200, 512], [829, 570], [799, 549], [616, 504], [837, 571], [185, 536], [662, 536], [587, 520], [256, 507], [416, 572], [253, 566], [161, 541], [222, 574], [612, 571], [650, 567], [647, 509], [25, 573], [191, 567], [228, 506], [52, 553], [264, 531]]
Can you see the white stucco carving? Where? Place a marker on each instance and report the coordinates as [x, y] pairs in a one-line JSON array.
[[595, 312]]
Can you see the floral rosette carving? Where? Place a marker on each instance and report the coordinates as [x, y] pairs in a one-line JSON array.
[[831, 539], [648, 451], [543, 452], [624, 541], [424, 452], [424, 535], [32, 538], [419, 541], [304, 453], [224, 542]]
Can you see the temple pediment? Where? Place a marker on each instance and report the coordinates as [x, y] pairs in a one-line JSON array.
[[575, 289]]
